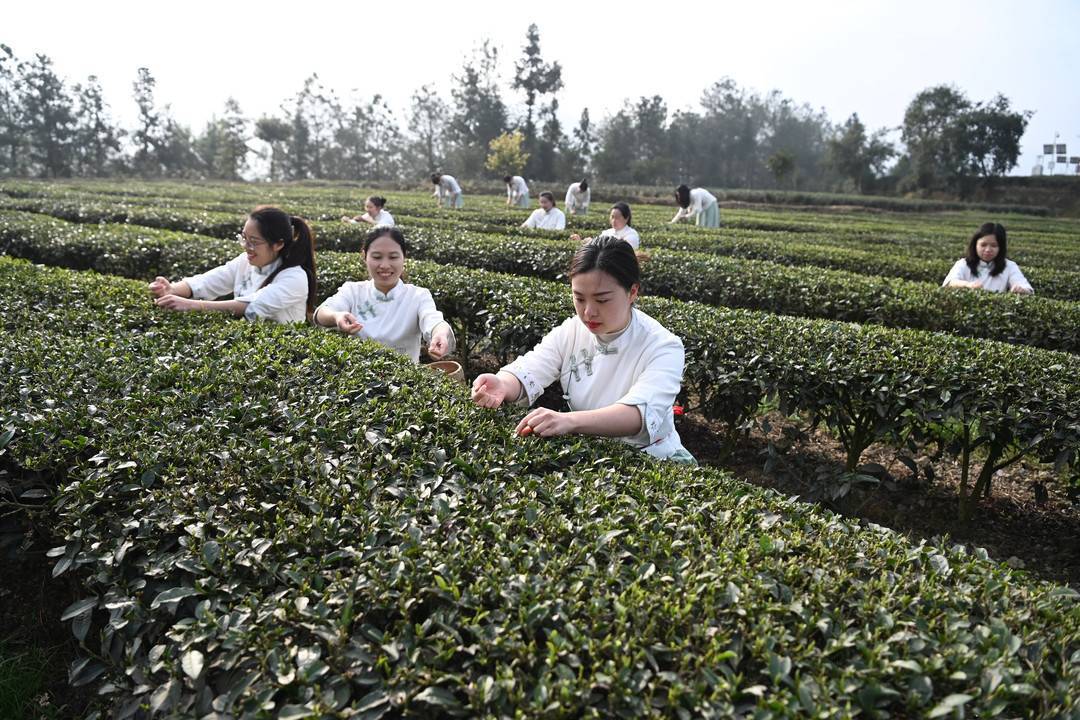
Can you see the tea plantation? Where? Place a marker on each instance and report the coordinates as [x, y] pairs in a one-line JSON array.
[[269, 521]]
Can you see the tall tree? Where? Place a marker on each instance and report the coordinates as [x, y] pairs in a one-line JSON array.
[[50, 118], [12, 138], [479, 113], [368, 142], [427, 124], [231, 159], [583, 145], [149, 135], [536, 78], [276, 133], [933, 132], [97, 138], [857, 157]]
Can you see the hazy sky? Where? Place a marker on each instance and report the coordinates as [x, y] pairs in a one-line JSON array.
[[844, 56]]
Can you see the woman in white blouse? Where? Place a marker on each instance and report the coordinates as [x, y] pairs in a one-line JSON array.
[[375, 213], [620, 370], [577, 198], [620, 226], [447, 191], [385, 308], [547, 216], [698, 203], [985, 265], [273, 279], [517, 191]]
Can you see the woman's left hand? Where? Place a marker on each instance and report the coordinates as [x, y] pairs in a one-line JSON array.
[[546, 423], [175, 302], [439, 345], [1019, 290]]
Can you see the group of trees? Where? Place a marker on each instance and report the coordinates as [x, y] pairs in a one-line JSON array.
[[735, 138]]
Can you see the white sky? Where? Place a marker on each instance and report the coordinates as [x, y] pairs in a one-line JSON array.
[[844, 56]]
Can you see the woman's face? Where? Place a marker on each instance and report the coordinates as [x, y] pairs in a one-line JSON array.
[[371, 208], [601, 302], [385, 263], [986, 248], [260, 253], [617, 220], [546, 204]]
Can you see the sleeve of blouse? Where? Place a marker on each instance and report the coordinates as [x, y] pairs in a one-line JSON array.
[[341, 301], [288, 289], [542, 365], [429, 317], [568, 203], [560, 222], [1017, 279], [655, 390], [215, 283], [956, 272]]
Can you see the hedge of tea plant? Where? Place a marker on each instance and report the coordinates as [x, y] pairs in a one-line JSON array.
[[285, 522], [868, 384], [807, 292]]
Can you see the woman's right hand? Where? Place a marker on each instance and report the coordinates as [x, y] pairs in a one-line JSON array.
[[347, 323], [575, 237], [488, 391], [160, 287]]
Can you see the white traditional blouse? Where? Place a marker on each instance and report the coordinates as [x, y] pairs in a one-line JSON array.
[[382, 219], [700, 198], [399, 319], [284, 300], [642, 367], [576, 198], [516, 188], [1004, 281], [627, 233], [553, 219], [447, 187]]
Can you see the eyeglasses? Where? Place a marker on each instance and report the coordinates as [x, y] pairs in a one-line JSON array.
[[248, 243]]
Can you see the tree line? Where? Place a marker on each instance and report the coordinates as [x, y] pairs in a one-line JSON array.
[[735, 138]]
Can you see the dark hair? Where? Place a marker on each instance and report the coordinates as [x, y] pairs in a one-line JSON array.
[[972, 256], [682, 196], [508, 178], [277, 226], [610, 254], [377, 201], [584, 184], [549, 196], [435, 178], [623, 209], [384, 231]]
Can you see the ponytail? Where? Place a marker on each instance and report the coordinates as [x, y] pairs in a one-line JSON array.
[[299, 245]]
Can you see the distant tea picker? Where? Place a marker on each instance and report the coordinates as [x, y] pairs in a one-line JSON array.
[[547, 216], [698, 203], [375, 213], [517, 191], [447, 191]]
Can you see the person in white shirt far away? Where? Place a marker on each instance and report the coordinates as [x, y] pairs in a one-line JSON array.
[[385, 308], [698, 203], [985, 265], [547, 216], [375, 213], [577, 198], [620, 370], [619, 217], [517, 191], [273, 279], [447, 191]]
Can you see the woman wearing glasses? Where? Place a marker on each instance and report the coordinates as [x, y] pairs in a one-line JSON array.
[[620, 370], [273, 279]]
